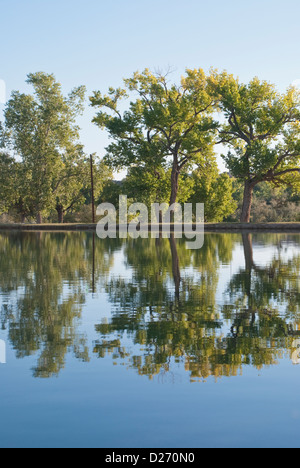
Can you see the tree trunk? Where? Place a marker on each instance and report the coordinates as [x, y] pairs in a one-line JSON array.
[[248, 251], [39, 218], [23, 218], [174, 188], [175, 266], [174, 183], [249, 265], [60, 213], [160, 216], [247, 202]]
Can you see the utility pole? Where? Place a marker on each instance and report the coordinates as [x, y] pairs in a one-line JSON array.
[[92, 185]]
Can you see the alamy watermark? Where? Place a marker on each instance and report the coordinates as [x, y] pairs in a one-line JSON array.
[[137, 221], [2, 352]]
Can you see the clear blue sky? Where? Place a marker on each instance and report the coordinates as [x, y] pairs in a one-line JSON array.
[[97, 42]]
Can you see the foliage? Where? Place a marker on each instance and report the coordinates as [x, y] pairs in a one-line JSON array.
[[42, 131], [270, 204], [165, 127], [148, 188], [8, 182], [262, 130], [73, 183], [216, 192], [164, 134]]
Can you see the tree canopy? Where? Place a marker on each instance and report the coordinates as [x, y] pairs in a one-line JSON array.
[[262, 131], [164, 126], [165, 135], [41, 129]]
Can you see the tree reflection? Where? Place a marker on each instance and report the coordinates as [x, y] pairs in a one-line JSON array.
[[166, 309], [183, 322], [168, 323], [264, 306], [44, 281]]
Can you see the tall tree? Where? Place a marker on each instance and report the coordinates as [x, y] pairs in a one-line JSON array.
[[41, 128], [262, 129], [165, 126]]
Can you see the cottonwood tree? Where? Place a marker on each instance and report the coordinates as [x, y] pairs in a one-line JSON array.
[[41, 129], [262, 129], [166, 126]]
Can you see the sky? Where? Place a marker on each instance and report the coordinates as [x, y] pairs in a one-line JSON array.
[[98, 43]]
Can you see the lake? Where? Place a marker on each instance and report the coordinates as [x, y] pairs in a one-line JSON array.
[[146, 344]]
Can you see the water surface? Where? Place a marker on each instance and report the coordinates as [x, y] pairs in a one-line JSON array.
[[143, 343]]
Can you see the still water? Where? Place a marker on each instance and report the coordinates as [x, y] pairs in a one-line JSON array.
[[143, 343]]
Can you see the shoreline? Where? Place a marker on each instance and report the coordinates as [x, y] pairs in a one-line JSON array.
[[208, 227]]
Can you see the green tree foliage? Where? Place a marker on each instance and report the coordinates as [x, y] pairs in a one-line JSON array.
[[164, 134], [165, 127], [262, 129], [15, 185], [216, 192], [275, 204], [142, 186], [270, 204], [72, 186], [8, 182], [41, 129]]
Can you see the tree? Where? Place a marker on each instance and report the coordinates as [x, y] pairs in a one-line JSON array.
[[41, 129], [14, 188], [215, 191], [165, 127], [148, 188], [72, 185], [275, 204], [262, 129], [8, 194]]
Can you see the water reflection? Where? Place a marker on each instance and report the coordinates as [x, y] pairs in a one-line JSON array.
[[168, 309], [44, 281]]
